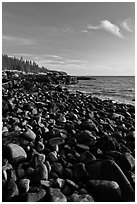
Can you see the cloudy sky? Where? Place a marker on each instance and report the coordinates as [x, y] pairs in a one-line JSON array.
[[80, 38]]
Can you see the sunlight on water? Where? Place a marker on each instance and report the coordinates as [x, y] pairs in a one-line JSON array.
[[119, 89]]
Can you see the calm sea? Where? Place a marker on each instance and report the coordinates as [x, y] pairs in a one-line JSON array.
[[119, 89]]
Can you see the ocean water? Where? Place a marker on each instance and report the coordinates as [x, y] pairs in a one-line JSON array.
[[119, 89]]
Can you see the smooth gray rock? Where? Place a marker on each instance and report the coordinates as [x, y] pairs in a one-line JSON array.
[[23, 185], [56, 195], [16, 153]]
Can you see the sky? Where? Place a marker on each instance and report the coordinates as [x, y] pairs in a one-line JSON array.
[[80, 38]]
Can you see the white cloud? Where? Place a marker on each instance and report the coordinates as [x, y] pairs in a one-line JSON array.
[[108, 26], [53, 56], [112, 28], [18, 40], [128, 25], [93, 27]]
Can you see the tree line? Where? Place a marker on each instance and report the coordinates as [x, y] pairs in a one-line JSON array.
[[12, 63]]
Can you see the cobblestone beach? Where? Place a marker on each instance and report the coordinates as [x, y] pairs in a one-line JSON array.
[[59, 146]]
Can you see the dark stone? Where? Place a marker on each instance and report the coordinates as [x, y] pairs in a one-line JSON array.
[[86, 137], [56, 195], [79, 172], [56, 141], [128, 161], [131, 136], [53, 156], [82, 147], [29, 135], [117, 156], [105, 191], [23, 185], [57, 168], [45, 183], [131, 177], [16, 153], [10, 190], [59, 183], [40, 173], [107, 143], [109, 170], [80, 198], [87, 157], [68, 173], [89, 125], [35, 197]]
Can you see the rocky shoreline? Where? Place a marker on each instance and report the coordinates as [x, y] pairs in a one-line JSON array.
[[59, 146]]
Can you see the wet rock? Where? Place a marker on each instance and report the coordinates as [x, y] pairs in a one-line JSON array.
[[20, 171], [87, 157], [56, 195], [86, 137], [53, 156], [128, 161], [107, 143], [89, 125], [16, 153], [10, 190], [131, 177], [68, 173], [29, 135], [35, 197], [79, 172], [80, 198], [29, 171], [57, 168], [82, 147], [12, 174], [39, 158], [59, 183], [72, 184], [131, 136], [45, 183], [41, 172], [23, 185], [109, 170], [116, 155], [56, 141], [105, 191], [67, 190], [40, 146]]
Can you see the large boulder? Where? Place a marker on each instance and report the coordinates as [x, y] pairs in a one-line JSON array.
[[105, 191], [109, 170], [15, 153], [79, 172]]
